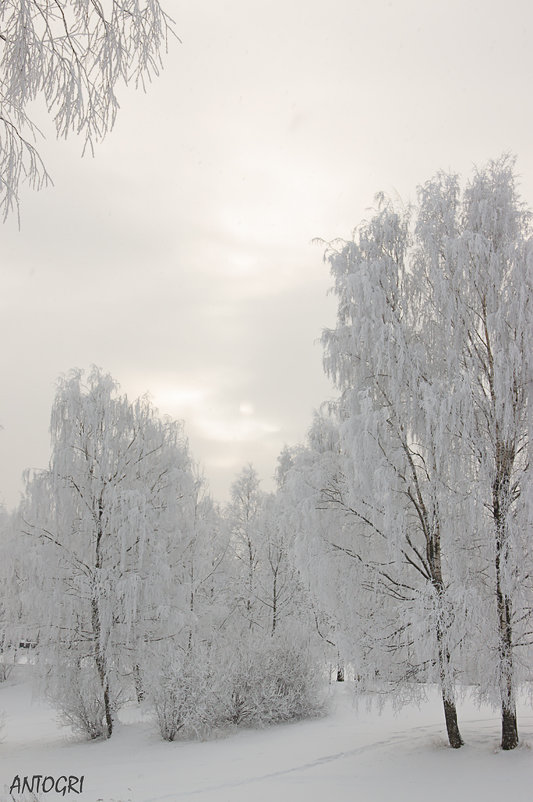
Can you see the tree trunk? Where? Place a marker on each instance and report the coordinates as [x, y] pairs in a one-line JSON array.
[[500, 504], [448, 696], [101, 668], [274, 598], [340, 669], [97, 630], [137, 681], [509, 728], [107, 709], [509, 722], [452, 727]]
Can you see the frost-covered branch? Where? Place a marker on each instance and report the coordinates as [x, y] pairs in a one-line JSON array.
[[74, 54]]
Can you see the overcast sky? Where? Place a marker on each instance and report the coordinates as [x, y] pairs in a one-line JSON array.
[[180, 259]]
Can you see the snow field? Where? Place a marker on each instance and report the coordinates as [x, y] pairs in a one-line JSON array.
[[354, 753]]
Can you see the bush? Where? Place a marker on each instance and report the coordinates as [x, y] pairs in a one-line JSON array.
[[183, 697], [76, 693], [272, 681], [259, 683]]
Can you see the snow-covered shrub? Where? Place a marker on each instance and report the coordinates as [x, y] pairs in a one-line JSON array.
[[5, 670], [183, 697], [76, 693], [254, 683], [273, 680]]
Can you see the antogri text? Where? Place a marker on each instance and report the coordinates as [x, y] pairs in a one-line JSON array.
[[44, 784]]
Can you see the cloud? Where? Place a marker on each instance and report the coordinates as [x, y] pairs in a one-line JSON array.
[[180, 257]]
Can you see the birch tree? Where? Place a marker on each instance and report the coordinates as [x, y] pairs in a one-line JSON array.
[[476, 259], [303, 472], [279, 588], [243, 515], [393, 412], [266, 586], [431, 353], [13, 626], [99, 521], [182, 670]]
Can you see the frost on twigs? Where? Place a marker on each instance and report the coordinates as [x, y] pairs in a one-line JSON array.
[[274, 680], [184, 697], [76, 695], [74, 54], [19, 161], [260, 682]]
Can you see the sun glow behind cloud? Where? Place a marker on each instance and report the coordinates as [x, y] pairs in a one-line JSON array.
[[237, 429], [212, 418], [224, 431]]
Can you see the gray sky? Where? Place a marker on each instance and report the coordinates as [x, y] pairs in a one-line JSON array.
[[180, 258]]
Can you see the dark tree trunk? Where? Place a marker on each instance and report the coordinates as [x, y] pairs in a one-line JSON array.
[[274, 601], [509, 728], [509, 722], [97, 630], [108, 716], [500, 505], [101, 668], [444, 657], [448, 698], [452, 727], [137, 681]]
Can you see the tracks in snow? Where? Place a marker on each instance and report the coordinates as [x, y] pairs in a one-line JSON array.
[[408, 736]]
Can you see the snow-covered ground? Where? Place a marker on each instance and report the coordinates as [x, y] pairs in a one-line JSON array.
[[352, 754]]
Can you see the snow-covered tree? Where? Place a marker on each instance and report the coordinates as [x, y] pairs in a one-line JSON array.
[[303, 473], [266, 588], [12, 629], [73, 54], [183, 669], [278, 583], [474, 268], [243, 515], [299, 479], [431, 490], [394, 484], [271, 671], [100, 522]]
